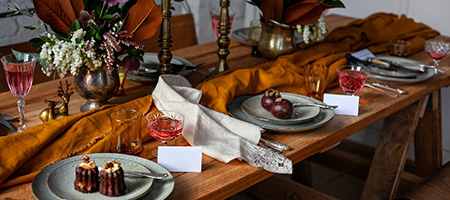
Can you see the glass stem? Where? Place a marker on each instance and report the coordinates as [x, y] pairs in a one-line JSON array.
[[21, 108], [436, 62]]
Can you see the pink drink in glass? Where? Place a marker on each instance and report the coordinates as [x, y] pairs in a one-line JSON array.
[[352, 78], [165, 129], [19, 78], [215, 19], [436, 56]]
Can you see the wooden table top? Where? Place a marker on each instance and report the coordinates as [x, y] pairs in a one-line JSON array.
[[219, 180]]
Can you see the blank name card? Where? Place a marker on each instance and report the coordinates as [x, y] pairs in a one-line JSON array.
[[180, 158], [347, 105]]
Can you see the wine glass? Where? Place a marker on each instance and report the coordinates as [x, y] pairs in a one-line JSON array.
[[437, 49], [19, 76], [165, 125], [254, 33], [352, 78], [215, 20]]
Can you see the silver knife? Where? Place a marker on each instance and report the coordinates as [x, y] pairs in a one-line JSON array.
[[5, 123], [381, 90], [316, 105], [395, 89]]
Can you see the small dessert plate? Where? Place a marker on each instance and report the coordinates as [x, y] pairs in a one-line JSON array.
[[60, 181], [252, 107]]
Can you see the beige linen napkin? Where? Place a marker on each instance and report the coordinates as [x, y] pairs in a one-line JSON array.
[[221, 136]]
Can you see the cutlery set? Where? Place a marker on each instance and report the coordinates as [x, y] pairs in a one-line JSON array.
[[4, 120]]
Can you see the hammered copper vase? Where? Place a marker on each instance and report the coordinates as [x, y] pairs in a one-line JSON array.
[[96, 86], [276, 40]]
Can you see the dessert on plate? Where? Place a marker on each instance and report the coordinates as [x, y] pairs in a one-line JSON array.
[[86, 176], [112, 182]]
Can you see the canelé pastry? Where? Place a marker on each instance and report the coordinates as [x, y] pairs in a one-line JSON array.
[[112, 181], [86, 176]]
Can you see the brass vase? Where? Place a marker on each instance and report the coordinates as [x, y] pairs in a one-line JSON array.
[[276, 40], [96, 86]]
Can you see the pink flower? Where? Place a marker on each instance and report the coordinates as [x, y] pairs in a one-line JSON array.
[[114, 2], [129, 63]]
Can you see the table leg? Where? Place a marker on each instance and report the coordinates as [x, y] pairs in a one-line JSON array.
[[428, 139], [391, 152]]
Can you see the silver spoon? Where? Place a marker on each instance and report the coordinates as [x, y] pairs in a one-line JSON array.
[[149, 175], [314, 104]]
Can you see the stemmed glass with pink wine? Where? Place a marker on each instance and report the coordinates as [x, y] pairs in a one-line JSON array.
[[19, 76], [165, 125], [437, 49], [352, 78]]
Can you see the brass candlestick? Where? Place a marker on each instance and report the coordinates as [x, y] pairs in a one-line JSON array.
[[223, 41], [165, 40]]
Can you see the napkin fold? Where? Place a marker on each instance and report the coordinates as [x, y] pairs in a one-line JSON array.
[[286, 73], [221, 136]]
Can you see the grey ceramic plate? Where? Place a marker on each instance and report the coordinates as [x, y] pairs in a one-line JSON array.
[[406, 80], [44, 186], [62, 178], [241, 35], [325, 115], [395, 73], [252, 107], [152, 75]]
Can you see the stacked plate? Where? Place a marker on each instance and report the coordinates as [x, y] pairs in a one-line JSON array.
[[248, 108], [410, 74], [147, 72]]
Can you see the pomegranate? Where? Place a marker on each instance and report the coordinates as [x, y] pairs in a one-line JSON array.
[[268, 98], [281, 108]]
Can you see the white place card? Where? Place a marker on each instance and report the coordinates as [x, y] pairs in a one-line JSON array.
[[363, 54], [347, 105], [180, 158]]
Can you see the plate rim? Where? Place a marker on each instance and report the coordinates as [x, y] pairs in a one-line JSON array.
[[395, 80], [153, 79], [41, 191], [326, 116], [280, 121], [75, 161]]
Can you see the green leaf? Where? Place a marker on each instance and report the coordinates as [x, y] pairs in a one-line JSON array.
[[26, 13], [335, 3], [31, 27], [19, 55], [108, 16], [6, 5], [97, 36], [76, 25], [12, 14]]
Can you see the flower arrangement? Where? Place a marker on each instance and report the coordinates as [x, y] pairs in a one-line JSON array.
[[93, 33], [304, 14]]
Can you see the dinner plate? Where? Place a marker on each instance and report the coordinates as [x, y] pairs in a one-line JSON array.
[[56, 180], [325, 115], [252, 107], [152, 75], [241, 35], [62, 178], [405, 80], [394, 72]]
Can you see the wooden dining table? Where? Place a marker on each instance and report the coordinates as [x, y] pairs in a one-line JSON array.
[[406, 117]]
